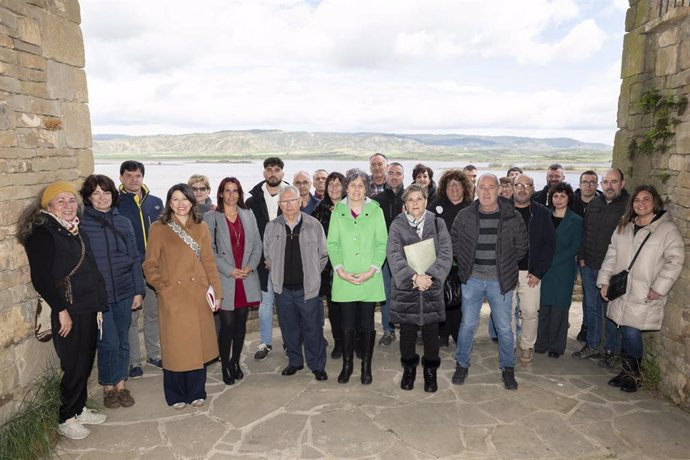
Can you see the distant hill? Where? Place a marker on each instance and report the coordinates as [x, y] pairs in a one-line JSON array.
[[241, 145]]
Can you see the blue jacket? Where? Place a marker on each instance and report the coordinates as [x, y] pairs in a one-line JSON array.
[[542, 240], [141, 214], [115, 252]]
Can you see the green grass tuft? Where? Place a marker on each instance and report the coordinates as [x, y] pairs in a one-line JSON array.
[[31, 432]]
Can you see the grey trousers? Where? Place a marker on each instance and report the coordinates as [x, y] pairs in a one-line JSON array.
[[152, 337]]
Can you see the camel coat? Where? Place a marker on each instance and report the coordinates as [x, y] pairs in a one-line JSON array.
[[657, 267], [180, 278]]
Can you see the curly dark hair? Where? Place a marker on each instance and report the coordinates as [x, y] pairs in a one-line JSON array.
[[458, 175], [561, 187], [332, 177], [630, 214]]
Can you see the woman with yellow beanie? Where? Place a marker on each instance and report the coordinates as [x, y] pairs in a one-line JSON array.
[[64, 273]]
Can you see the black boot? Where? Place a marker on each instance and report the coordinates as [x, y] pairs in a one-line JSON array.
[[430, 368], [358, 344], [367, 342], [236, 371], [631, 381], [337, 351], [409, 372], [348, 343], [227, 374]]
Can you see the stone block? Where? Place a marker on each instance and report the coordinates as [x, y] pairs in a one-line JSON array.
[[684, 54], [81, 93], [644, 12], [678, 80], [29, 31], [76, 123], [27, 47], [32, 61], [28, 138], [85, 162], [61, 81], [66, 8], [8, 138], [633, 54], [4, 117], [34, 89], [9, 376], [32, 358], [668, 37], [6, 41], [682, 138], [666, 61], [630, 19], [9, 56], [32, 74], [8, 18], [63, 41], [13, 326], [9, 84], [28, 120]]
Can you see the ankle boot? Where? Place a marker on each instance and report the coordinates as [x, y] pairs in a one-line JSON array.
[[409, 372], [430, 368], [227, 374], [348, 343], [236, 371], [367, 342], [631, 381]]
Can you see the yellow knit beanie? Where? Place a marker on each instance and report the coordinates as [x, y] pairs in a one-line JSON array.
[[54, 190]]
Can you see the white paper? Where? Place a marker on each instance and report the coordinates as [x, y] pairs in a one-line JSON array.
[[420, 256]]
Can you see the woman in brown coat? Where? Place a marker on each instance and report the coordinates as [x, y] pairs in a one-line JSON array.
[[180, 266]]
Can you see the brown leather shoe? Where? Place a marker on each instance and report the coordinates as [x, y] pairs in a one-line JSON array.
[[125, 398], [111, 399]]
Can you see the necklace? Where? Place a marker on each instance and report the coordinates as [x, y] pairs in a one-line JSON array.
[[236, 233]]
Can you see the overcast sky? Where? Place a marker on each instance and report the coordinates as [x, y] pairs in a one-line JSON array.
[[535, 68]]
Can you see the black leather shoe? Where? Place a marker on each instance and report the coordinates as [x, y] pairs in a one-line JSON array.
[[236, 371], [320, 375], [291, 370], [553, 354]]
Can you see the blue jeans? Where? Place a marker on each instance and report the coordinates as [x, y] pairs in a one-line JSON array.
[[386, 307], [612, 339], [113, 346], [473, 293], [301, 323], [632, 341], [266, 314], [592, 305]]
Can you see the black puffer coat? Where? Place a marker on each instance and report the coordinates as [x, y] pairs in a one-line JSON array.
[[409, 305]]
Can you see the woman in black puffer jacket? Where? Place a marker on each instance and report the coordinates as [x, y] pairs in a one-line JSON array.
[[417, 295], [115, 249]]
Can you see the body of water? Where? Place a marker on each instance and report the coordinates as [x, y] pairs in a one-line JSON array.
[[161, 175]]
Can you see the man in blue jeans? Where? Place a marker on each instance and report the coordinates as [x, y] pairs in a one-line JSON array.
[[601, 218], [489, 239], [264, 204]]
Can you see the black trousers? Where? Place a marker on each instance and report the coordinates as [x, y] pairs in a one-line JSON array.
[[451, 326], [233, 329], [334, 317], [76, 353], [408, 341], [552, 331], [357, 316], [185, 386]]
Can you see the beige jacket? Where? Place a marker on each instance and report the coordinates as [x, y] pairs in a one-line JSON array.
[[657, 267]]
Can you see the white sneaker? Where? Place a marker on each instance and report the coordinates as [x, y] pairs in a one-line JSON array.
[[72, 429], [198, 402], [179, 405], [90, 417]]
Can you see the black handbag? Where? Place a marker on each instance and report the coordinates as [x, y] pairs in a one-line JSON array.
[[452, 295], [618, 284]]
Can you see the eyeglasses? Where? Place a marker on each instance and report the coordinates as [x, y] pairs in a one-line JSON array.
[[199, 189], [286, 202], [522, 186], [301, 183], [588, 182]]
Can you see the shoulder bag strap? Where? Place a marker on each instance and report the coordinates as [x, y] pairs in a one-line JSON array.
[[66, 282], [638, 251], [186, 237]]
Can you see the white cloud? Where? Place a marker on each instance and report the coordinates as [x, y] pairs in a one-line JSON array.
[[341, 65]]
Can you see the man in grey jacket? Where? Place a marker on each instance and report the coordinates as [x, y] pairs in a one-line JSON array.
[[295, 251], [489, 239]]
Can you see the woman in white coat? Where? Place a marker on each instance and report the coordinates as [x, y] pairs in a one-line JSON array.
[[651, 277]]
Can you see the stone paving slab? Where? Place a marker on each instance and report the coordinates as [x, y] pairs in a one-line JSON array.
[[563, 409]]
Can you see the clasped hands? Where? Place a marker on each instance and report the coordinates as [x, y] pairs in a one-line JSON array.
[[422, 282], [240, 274], [356, 278]]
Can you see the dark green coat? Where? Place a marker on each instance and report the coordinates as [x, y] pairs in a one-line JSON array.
[[557, 284]]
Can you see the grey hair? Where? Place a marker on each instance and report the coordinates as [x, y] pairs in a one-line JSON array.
[[492, 176], [414, 188], [353, 174], [301, 172], [531, 181], [288, 188]]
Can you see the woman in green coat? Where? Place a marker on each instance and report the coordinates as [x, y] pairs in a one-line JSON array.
[[557, 284], [357, 240]]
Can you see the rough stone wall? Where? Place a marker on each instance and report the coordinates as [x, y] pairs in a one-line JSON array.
[[656, 55], [45, 135]]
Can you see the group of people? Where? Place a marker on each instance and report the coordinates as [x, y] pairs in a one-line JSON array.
[[428, 254]]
